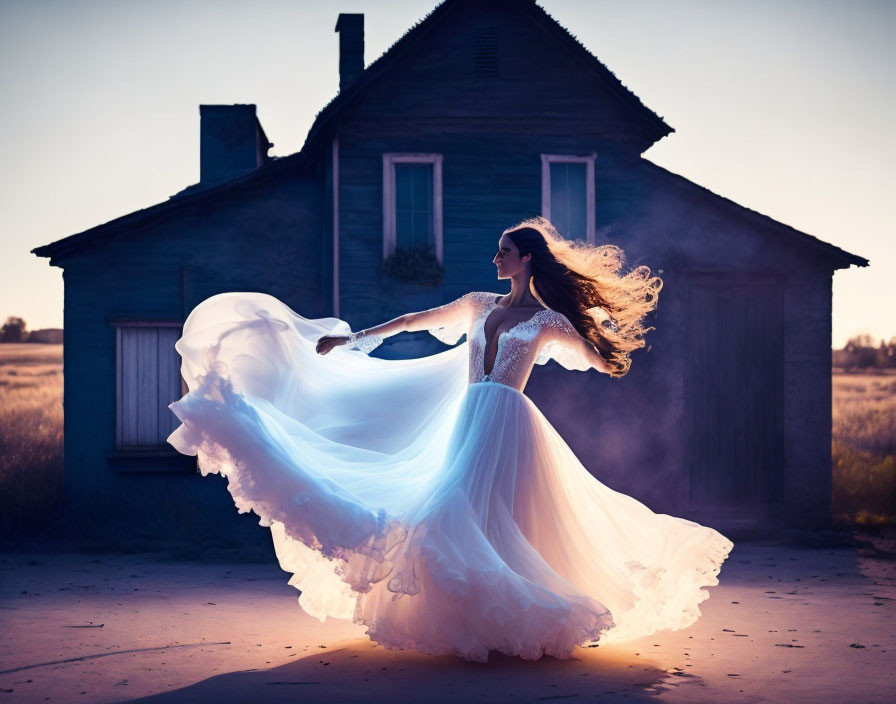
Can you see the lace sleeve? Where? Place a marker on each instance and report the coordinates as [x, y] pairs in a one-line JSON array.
[[564, 344], [447, 322], [364, 343]]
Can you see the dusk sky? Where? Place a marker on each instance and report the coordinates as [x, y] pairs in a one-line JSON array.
[[786, 107]]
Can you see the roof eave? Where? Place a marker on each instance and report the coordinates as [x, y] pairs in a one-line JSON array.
[[836, 254], [172, 206]]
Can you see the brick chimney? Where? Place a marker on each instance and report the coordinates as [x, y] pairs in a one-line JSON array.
[[351, 47], [231, 142]]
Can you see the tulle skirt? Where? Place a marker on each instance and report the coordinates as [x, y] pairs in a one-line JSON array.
[[447, 517]]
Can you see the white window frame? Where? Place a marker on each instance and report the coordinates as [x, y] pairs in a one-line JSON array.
[[120, 444], [588, 159], [389, 227]]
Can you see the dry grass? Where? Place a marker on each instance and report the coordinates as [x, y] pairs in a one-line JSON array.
[[30, 434], [864, 449]]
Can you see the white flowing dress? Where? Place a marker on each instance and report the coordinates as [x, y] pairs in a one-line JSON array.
[[425, 498]]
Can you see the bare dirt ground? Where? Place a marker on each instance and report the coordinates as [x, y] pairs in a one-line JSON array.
[[786, 623]]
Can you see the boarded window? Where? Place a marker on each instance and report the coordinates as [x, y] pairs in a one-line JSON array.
[[148, 379], [414, 205], [735, 391], [569, 198]]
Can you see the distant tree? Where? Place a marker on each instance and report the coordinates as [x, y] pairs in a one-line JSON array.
[[864, 352], [860, 341], [13, 330]]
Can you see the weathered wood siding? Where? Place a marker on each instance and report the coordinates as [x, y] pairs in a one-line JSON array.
[[735, 405], [807, 482]]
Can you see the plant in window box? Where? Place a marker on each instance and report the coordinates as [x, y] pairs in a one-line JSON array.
[[414, 263]]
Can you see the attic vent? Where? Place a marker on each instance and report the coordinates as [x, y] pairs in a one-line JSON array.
[[485, 63]]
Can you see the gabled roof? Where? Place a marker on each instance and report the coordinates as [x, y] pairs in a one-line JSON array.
[[188, 198], [654, 126], [756, 218]]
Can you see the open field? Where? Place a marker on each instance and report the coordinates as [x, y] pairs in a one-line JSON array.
[[30, 434], [864, 448]]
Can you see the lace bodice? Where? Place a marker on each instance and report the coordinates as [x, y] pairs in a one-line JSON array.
[[546, 335]]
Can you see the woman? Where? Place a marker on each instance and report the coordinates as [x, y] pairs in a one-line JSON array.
[[429, 498]]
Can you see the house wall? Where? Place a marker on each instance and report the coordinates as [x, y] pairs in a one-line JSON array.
[[265, 240], [635, 439], [808, 401]]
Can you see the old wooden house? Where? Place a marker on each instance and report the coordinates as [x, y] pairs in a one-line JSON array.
[[483, 113]]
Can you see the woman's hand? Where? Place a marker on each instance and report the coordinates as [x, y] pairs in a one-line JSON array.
[[328, 342]]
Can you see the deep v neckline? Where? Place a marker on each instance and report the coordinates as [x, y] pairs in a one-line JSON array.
[[484, 319]]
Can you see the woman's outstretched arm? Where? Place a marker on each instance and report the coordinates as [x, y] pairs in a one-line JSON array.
[[458, 311], [445, 315]]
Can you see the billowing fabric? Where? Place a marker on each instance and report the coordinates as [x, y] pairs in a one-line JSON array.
[[425, 498]]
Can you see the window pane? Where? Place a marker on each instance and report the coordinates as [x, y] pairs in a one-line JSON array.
[[413, 205], [404, 187], [569, 198], [403, 226]]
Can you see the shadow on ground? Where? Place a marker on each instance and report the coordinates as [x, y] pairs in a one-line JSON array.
[[359, 671]]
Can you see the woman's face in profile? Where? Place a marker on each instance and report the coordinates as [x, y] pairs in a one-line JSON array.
[[507, 260]]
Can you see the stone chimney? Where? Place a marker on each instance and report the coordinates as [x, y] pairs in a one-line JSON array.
[[231, 142], [351, 48]]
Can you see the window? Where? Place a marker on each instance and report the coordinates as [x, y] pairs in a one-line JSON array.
[[148, 378], [412, 202], [567, 194]]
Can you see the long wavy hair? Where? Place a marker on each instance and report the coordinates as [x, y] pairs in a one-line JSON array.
[[583, 282]]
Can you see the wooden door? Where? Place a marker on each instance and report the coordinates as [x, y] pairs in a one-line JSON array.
[[735, 390]]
